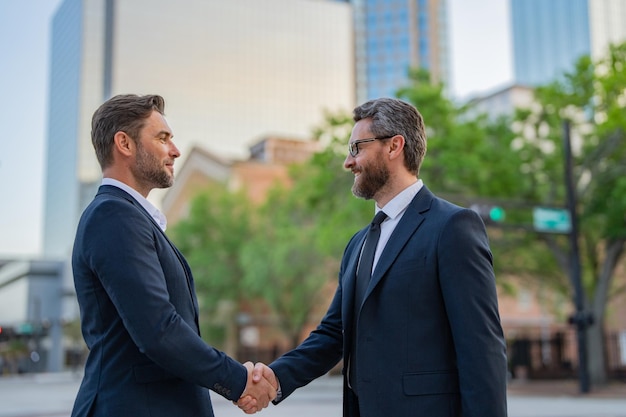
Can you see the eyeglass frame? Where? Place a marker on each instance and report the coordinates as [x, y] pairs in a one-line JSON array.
[[356, 143]]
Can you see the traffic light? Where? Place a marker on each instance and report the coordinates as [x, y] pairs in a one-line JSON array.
[[6, 333], [496, 213], [490, 213]]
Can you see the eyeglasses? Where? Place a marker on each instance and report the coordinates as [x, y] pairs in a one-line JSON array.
[[353, 147]]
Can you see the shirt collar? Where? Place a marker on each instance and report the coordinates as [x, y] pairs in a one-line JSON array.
[[400, 202], [156, 214]]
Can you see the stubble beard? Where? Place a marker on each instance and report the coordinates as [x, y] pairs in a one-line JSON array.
[[370, 181], [152, 171]]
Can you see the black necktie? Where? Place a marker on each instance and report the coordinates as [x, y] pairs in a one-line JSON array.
[[364, 272], [363, 276]]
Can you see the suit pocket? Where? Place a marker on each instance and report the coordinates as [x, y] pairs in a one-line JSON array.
[[431, 383], [145, 374]]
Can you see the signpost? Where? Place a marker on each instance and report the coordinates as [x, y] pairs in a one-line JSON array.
[[563, 221], [582, 319]]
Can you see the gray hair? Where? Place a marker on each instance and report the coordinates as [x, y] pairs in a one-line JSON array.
[[392, 117]]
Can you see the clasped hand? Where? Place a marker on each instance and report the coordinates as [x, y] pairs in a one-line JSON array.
[[260, 389]]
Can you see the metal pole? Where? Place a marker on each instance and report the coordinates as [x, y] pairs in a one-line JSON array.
[[581, 319]]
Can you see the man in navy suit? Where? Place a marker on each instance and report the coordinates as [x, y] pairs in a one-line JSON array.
[[425, 339], [139, 312]]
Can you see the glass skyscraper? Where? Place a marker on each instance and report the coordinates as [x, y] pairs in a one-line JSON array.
[[392, 36], [548, 37]]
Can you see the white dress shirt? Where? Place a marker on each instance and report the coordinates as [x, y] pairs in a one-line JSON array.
[[156, 214], [394, 210]]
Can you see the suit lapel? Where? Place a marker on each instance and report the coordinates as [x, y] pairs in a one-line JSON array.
[[349, 279]]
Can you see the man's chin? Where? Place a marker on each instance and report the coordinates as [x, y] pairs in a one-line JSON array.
[[165, 183], [360, 193]]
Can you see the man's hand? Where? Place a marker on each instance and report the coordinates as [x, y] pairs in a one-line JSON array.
[[261, 371], [260, 389]]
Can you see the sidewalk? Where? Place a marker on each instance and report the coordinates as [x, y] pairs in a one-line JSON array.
[[52, 395], [564, 388]]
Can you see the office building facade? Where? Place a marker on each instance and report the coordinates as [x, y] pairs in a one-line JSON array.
[[392, 36], [550, 35], [607, 22]]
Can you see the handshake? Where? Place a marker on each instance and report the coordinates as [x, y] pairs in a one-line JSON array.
[[260, 389]]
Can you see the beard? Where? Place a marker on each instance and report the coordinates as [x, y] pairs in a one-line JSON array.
[[152, 171], [371, 180]]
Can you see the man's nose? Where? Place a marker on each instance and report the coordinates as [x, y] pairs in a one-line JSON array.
[[348, 162], [174, 152]]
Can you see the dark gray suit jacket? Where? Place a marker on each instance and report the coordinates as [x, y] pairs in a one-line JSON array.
[[139, 317], [430, 341]]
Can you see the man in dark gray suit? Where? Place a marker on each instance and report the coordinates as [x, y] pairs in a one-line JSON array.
[[139, 312], [424, 337]]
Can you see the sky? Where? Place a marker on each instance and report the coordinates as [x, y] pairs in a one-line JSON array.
[[481, 62]]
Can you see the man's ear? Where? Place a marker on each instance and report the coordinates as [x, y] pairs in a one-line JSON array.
[[396, 145], [123, 143]]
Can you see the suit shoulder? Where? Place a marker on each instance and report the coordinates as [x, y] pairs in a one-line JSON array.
[[449, 214], [106, 209], [445, 209]]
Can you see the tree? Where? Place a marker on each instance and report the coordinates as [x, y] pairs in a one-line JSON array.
[[592, 97], [293, 245], [284, 268], [282, 254], [479, 158], [471, 159], [302, 232], [218, 225]]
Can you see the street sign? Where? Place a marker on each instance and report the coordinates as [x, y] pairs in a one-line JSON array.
[[25, 328], [551, 220]]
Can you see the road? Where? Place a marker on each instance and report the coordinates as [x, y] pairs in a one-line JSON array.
[[52, 395]]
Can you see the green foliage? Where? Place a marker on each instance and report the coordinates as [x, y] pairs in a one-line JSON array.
[[592, 98], [464, 154], [302, 232], [322, 192], [521, 159], [285, 270], [218, 225], [470, 159], [285, 251]]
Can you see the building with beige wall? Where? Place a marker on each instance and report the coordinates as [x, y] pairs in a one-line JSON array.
[[607, 20], [266, 167]]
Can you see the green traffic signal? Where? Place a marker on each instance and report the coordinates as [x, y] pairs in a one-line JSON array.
[[496, 214], [489, 213]]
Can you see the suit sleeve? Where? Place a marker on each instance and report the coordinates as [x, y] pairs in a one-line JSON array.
[[120, 247], [468, 286]]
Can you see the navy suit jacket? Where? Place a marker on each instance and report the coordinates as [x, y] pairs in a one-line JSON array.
[[139, 317], [430, 341]]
